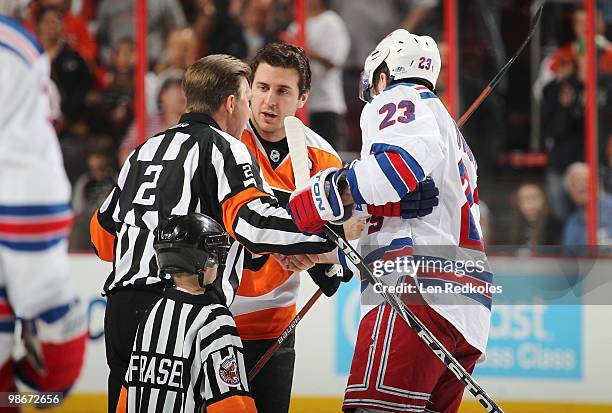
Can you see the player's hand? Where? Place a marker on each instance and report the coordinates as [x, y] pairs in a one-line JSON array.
[[327, 277], [319, 202], [417, 203], [300, 262]]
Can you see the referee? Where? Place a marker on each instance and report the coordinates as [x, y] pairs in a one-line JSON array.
[[198, 165], [187, 356]]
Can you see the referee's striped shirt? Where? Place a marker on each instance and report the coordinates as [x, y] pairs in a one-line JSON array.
[[192, 167], [187, 355]]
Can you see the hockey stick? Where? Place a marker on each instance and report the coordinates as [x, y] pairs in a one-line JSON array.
[[296, 140], [487, 90], [283, 336]]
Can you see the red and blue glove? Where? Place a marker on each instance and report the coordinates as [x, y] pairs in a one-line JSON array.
[[318, 203], [417, 203]]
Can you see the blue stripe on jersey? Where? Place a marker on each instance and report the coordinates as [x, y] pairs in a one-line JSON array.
[[395, 245], [410, 161], [14, 24], [31, 246], [2, 293], [480, 298], [351, 178], [427, 95], [392, 175], [7, 326], [54, 314], [10, 48], [33, 210]]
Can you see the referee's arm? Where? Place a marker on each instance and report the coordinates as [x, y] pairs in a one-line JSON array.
[[251, 215], [102, 227]]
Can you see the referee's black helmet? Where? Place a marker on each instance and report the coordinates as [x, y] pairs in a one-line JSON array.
[[189, 243]]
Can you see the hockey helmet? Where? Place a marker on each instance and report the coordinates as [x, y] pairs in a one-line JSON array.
[[190, 243], [406, 55]]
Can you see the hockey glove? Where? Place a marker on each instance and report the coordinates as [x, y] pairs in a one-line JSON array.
[[417, 203], [327, 277], [319, 202]]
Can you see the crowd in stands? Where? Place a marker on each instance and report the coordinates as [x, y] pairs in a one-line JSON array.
[[92, 50]]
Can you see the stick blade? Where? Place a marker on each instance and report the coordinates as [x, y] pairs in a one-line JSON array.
[[296, 140]]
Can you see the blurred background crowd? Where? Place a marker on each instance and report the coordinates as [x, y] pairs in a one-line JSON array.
[[528, 136]]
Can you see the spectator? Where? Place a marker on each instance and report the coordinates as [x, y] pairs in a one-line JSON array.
[[568, 55], [563, 115], [68, 69], [179, 53], [112, 108], [116, 19], [90, 190], [75, 29], [179, 50], [576, 181], [254, 20], [328, 47], [171, 102], [533, 223]]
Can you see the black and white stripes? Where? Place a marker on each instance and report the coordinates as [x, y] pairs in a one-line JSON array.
[[187, 354]]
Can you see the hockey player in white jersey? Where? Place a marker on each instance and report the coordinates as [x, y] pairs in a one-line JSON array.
[[35, 219], [408, 136]]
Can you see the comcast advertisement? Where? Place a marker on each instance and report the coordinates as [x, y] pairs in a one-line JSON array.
[[537, 341], [536, 327]]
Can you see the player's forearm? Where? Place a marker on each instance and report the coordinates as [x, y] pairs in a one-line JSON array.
[[263, 227]]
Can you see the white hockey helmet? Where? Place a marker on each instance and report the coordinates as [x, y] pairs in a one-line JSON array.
[[406, 55]]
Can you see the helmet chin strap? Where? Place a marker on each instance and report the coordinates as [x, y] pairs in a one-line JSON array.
[[201, 274]]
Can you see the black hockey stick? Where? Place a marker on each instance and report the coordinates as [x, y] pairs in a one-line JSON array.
[[416, 325], [487, 90]]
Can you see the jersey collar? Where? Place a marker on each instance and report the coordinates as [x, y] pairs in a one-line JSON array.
[[197, 117]]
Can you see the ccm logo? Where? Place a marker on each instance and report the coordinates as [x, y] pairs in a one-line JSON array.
[[348, 252], [316, 188], [456, 370]]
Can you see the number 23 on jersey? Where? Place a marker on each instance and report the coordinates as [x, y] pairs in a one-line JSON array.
[[405, 115]]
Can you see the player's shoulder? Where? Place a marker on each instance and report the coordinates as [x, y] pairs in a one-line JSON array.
[[318, 143], [16, 40]]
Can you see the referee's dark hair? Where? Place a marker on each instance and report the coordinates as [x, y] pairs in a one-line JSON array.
[[282, 54], [211, 79]]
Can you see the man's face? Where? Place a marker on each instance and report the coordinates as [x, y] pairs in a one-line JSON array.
[[276, 95], [50, 27], [578, 186], [240, 115]]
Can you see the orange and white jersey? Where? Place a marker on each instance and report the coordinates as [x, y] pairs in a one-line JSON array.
[[266, 299]]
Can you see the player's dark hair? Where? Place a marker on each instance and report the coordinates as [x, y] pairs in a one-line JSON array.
[[282, 54], [211, 79], [383, 68]]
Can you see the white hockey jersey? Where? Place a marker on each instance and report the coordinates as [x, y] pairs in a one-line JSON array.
[[35, 214], [408, 135]]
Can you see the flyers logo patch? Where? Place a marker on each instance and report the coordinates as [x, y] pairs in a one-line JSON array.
[[228, 371]]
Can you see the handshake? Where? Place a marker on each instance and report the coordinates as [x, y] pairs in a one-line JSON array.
[[327, 198]]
